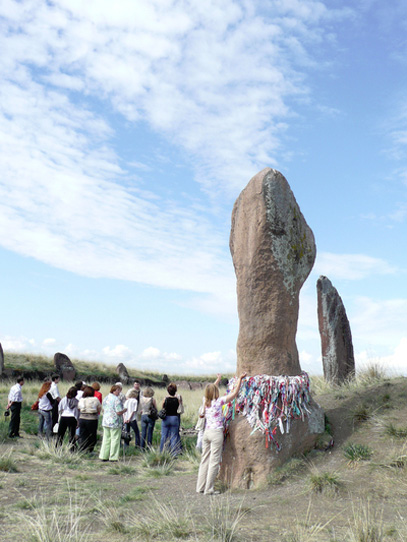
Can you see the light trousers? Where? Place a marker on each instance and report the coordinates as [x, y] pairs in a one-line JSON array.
[[210, 460], [110, 449]]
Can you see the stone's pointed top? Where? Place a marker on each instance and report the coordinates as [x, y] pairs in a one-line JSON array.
[[273, 252], [324, 284]]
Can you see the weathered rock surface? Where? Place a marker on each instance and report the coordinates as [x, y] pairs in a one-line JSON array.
[[273, 251], [64, 366], [336, 337], [123, 373], [1, 360]]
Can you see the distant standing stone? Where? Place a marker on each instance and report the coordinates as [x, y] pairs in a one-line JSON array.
[[1, 360], [336, 338], [123, 373], [64, 366]]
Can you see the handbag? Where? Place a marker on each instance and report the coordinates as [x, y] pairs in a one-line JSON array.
[[34, 406], [162, 414], [153, 413], [126, 435], [200, 424], [180, 409]]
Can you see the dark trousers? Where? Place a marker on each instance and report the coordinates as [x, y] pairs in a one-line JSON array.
[[70, 423], [14, 425], [55, 413], [87, 434], [134, 426]]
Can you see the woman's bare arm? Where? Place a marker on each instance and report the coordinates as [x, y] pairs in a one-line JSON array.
[[233, 394]]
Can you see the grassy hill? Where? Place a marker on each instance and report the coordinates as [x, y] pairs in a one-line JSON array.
[[30, 364], [353, 491]]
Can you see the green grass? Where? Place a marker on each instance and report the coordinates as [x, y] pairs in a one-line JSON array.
[[357, 452], [113, 518], [60, 454], [122, 469], [54, 523], [3, 431], [225, 519], [325, 481], [396, 432], [7, 464], [137, 494], [163, 522], [361, 413], [29, 419]]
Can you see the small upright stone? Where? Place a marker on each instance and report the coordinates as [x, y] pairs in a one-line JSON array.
[[123, 373], [64, 366], [1, 361], [336, 337]]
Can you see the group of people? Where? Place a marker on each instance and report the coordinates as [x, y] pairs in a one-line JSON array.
[[83, 404], [78, 414], [121, 411]]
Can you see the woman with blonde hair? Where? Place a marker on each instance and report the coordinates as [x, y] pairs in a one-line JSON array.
[[112, 422], [148, 417], [213, 436]]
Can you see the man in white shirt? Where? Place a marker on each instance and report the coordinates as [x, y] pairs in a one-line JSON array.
[[15, 398]]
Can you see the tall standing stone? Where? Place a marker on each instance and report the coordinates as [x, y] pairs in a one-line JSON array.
[[336, 337], [64, 366], [273, 251]]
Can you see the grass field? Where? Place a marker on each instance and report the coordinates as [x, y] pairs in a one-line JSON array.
[[355, 491]]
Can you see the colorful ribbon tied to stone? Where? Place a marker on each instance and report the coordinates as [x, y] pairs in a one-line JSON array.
[[269, 402]]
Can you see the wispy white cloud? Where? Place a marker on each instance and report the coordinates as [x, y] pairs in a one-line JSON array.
[[118, 352], [49, 342], [378, 323], [351, 266], [18, 344], [394, 363], [69, 197]]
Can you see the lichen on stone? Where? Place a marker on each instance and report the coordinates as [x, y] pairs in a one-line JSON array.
[[292, 241]]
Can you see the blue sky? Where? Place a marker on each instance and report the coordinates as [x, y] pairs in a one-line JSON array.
[[127, 131]]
